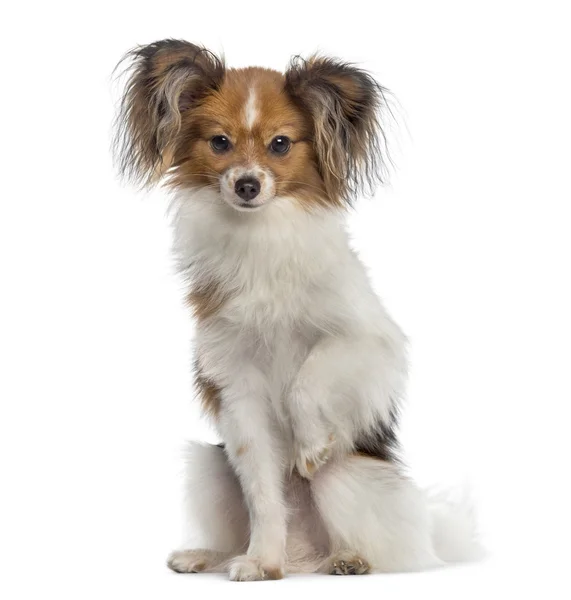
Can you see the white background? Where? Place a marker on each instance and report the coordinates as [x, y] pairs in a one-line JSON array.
[[469, 247]]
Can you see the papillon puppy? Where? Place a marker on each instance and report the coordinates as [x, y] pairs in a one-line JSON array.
[[296, 361]]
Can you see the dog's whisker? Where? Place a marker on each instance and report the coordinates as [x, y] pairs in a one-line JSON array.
[[305, 183]]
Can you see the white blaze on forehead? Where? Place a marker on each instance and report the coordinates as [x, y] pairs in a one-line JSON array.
[[251, 110]]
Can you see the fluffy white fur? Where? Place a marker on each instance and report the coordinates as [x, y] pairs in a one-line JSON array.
[[307, 360]]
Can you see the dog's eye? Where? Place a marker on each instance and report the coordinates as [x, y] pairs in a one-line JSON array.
[[220, 143], [280, 144]]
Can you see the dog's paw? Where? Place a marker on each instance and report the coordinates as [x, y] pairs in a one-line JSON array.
[[248, 568], [310, 458], [347, 563], [194, 561], [187, 561]]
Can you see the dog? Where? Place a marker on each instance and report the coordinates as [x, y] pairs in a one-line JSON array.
[[297, 362]]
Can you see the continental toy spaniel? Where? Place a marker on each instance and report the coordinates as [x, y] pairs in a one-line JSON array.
[[296, 361]]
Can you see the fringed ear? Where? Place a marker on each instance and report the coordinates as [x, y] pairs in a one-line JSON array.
[[345, 104], [164, 79]]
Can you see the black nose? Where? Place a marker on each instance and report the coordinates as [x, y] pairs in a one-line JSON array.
[[247, 188]]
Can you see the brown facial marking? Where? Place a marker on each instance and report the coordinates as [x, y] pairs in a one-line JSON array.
[[223, 113]]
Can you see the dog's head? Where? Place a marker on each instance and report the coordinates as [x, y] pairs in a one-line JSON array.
[[251, 134]]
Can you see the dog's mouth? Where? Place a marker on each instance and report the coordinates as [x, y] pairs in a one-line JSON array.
[[248, 206]]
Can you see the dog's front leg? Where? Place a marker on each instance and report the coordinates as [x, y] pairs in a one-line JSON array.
[[310, 407], [246, 426], [345, 385]]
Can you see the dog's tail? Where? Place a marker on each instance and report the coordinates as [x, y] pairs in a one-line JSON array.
[[455, 535]]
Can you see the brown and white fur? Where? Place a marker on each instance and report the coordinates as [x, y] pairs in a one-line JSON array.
[[297, 361]]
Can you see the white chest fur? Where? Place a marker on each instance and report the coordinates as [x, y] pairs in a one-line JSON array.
[[289, 279]]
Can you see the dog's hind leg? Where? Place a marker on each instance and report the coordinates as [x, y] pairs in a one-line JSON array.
[[377, 520], [217, 520]]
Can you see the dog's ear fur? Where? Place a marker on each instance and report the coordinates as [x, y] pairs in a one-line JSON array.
[[344, 103], [164, 79]]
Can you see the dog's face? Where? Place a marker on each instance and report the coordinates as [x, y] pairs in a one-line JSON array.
[[249, 141], [249, 134]]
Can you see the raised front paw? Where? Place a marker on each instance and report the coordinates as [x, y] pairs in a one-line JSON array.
[[309, 458], [249, 568]]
